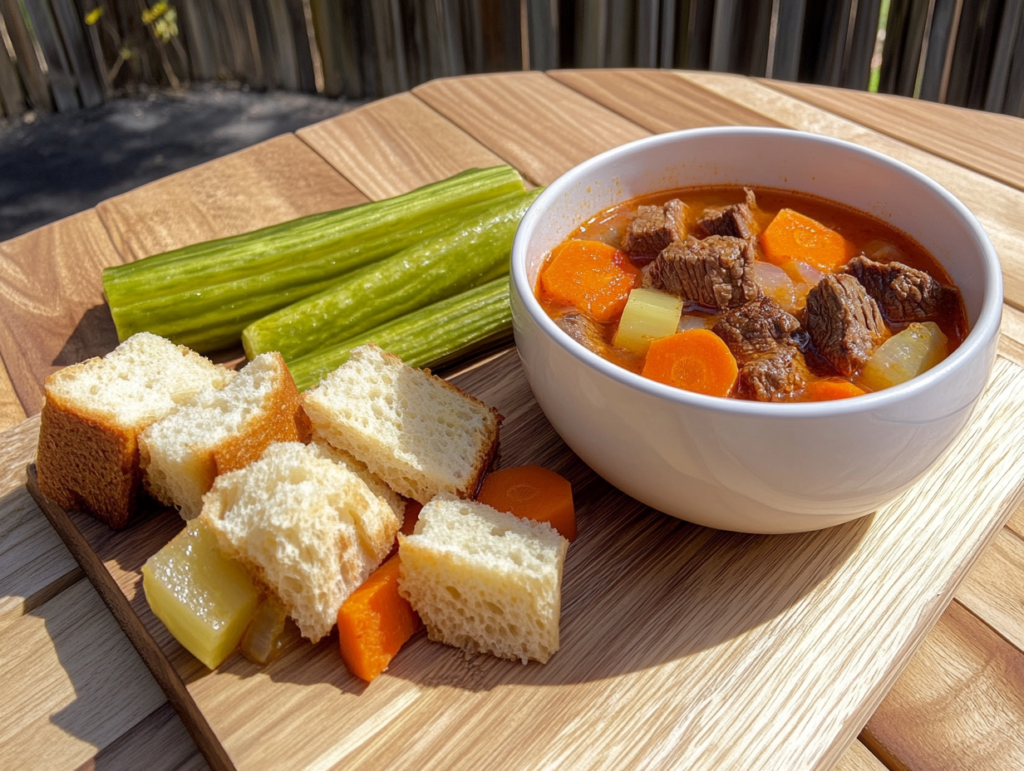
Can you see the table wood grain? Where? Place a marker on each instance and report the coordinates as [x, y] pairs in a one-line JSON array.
[[54, 314], [529, 120], [986, 142], [271, 182], [371, 146], [970, 657]]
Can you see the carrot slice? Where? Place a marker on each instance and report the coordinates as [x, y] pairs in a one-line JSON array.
[[792, 236], [375, 622], [592, 276], [829, 390], [532, 492], [695, 360]]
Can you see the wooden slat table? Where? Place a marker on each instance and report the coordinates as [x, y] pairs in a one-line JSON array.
[[73, 691]]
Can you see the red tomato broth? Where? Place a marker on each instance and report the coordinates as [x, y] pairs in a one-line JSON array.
[[883, 241]]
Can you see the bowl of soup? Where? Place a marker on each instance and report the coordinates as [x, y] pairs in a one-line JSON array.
[[755, 329]]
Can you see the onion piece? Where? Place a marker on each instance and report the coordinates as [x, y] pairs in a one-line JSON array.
[[907, 354], [269, 634], [775, 284]]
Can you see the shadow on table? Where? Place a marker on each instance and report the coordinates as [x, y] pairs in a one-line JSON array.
[[94, 335]]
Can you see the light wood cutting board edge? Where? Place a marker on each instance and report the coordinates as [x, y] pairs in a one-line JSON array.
[[163, 672]]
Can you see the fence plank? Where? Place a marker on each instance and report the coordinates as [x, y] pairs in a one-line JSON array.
[[286, 59], [991, 18], [724, 40], [503, 43], [301, 46], [542, 34], [789, 32], [1014, 104], [78, 53], [590, 39], [58, 71], [390, 47], [941, 36], [857, 61], [648, 24], [28, 65], [197, 41], [1006, 36], [330, 33], [10, 89], [698, 52], [667, 43], [264, 41], [619, 34]]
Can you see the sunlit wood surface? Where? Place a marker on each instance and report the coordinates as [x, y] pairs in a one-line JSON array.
[[74, 692]]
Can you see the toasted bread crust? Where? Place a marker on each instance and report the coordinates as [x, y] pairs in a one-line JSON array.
[[88, 464], [282, 420]]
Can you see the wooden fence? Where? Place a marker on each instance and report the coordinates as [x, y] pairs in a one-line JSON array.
[[65, 54]]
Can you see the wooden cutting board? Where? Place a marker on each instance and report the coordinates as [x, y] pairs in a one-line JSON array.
[[680, 645]]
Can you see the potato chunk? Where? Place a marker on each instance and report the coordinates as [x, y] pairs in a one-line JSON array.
[[648, 315], [916, 349], [206, 600]]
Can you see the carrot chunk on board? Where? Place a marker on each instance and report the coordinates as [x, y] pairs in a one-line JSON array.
[[792, 236], [375, 622], [532, 492], [695, 360], [592, 276], [829, 390]]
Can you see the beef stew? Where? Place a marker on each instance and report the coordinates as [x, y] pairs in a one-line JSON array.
[[813, 299]]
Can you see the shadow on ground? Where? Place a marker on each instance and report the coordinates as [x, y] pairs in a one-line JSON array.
[[61, 164]]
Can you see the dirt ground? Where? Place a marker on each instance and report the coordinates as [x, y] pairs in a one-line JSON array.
[[52, 166]]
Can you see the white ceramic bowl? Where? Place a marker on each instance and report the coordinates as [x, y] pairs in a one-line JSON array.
[[749, 466]]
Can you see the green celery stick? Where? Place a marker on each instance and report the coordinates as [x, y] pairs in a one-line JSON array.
[[428, 337], [466, 256], [204, 295]]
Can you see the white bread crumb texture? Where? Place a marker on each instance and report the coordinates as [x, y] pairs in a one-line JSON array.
[[384, 519], [483, 580], [176, 452], [418, 433], [140, 381], [295, 518]]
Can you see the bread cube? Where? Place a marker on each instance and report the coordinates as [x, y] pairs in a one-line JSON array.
[[309, 527], [88, 457], [419, 434], [483, 580], [220, 430]]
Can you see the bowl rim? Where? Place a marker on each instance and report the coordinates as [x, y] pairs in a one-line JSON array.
[[977, 339]]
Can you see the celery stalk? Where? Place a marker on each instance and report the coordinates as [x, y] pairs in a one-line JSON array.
[[204, 295], [429, 337], [471, 254]]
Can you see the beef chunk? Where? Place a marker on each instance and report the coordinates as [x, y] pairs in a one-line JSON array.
[[761, 336], [844, 322], [584, 331], [773, 378], [736, 221], [713, 272], [902, 292], [655, 227]]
